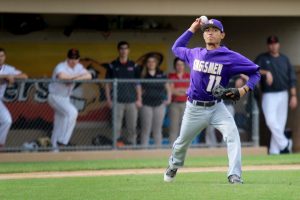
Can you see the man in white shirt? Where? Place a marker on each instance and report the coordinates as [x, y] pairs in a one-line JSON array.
[[8, 74], [65, 113]]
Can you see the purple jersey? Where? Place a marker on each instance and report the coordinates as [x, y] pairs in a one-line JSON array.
[[212, 67]]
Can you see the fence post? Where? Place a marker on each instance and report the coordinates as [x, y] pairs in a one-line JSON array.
[[255, 121], [114, 112]]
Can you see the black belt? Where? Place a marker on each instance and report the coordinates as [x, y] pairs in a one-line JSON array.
[[204, 103]]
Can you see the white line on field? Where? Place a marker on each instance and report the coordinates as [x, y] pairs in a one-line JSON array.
[[63, 174]]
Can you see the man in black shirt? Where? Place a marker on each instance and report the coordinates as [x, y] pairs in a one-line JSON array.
[[278, 82], [128, 94]]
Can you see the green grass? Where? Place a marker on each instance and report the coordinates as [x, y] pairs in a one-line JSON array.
[[274, 185], [142, 163], [259, 185]]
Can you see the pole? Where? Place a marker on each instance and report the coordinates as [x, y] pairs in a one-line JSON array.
[[114, 112]]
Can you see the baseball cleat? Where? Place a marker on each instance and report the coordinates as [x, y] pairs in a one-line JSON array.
[[235, 179], [170, 174], [288, 148]]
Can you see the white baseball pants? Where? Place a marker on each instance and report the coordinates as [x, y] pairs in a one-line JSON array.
[[5, 123], [65, 115], [275, 109], [152, 118], [210, 133], [195, 119]]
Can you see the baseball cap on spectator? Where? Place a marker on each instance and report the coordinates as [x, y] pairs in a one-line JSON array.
[[73, 54], [272, 39], [213, 23]]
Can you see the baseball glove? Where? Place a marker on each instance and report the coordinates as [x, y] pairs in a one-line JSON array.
[[226, 93]]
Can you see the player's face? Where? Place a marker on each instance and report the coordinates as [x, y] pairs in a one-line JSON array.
[[213, 36], [2, 57], [151, 63], [73, 62], [179, 66], [124, 51], [274, 48]]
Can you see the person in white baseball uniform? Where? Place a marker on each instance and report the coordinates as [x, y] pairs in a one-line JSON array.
[[8, 74], [278, 85], [65, 113]]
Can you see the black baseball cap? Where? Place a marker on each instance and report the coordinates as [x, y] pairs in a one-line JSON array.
[[73, 54], [272, 39]]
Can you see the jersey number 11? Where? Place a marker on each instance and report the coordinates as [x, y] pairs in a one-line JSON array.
[[213, 81]]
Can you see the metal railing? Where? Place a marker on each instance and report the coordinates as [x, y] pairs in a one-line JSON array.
[[96, 126]]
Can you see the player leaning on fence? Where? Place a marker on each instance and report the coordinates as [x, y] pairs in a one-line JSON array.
[[8, 74], [210, 66], [65, 113]]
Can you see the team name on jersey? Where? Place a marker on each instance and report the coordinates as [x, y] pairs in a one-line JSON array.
[[207, 67]]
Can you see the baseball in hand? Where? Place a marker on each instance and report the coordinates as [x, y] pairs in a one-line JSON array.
[[204, 19]]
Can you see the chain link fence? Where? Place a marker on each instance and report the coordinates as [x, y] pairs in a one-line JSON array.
[[101, 127]]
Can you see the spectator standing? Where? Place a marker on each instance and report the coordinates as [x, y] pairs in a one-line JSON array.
[[179, 97], [155, 95], [278, 85], [129, 94], [8, 74]]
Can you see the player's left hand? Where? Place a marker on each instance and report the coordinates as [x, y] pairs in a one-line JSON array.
[[233, 94], [293, 102], [242, 91]]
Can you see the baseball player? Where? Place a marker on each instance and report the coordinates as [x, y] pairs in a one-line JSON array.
[[8, 74], [211, 66], [65, 113], [278, 82]]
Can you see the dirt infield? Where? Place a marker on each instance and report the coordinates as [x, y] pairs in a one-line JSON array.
[[118, 154], [91, 173]]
